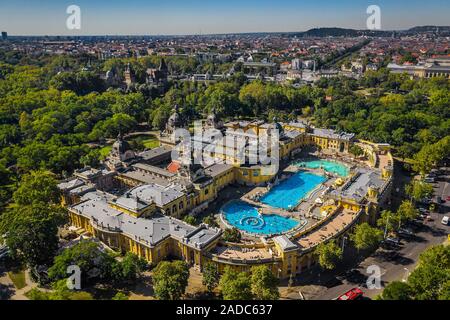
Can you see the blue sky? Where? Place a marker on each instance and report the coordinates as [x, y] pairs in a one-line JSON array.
[[118, 17]]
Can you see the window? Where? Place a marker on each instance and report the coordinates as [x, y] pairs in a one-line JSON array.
[[181, 205], [206, 191], [255, 173]]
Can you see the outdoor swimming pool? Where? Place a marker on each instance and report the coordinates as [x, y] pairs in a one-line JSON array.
[[329, 166], [289, 192], [245, 217]]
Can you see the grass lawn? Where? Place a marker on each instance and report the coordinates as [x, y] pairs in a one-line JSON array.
[[18, 278], [105, 151], [149, 142]]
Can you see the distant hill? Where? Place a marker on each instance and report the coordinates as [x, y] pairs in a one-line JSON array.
[[430, 29], [342, 32]]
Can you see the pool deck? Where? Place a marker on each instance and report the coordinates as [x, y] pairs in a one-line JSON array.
[[240, 254], [336, 224]]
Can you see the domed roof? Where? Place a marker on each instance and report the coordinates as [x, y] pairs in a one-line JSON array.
[[120, 146], [278, 126], [175, 118], [212, 116]]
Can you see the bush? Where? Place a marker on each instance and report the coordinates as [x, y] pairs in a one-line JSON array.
[[232, 235]]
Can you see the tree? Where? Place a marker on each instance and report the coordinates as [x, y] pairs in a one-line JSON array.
[[407, 212], [31, 232], [445, 292], [419, 190], [60, 292], [388, 221], [264, 284], [232, 235], [329, 253], [190, 220], [130, 268], [88, 256], [170, 279], [209, 220], [430, 279], [431, 155], [120, 296], [211, 276], [235, 285], [37, 187], [396, 290], [366, 237], [356, 150]]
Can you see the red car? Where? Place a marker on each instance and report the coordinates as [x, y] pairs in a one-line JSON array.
[[353, 294]]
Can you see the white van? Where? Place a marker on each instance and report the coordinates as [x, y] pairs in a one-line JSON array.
[[445, 220]]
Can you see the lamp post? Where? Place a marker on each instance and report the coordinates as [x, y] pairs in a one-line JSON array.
[[406, 274], [344, 239], [386, 228]]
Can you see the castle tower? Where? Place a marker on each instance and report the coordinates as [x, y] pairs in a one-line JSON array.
[[129, 76]]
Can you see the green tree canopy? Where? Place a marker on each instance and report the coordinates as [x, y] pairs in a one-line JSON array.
[[31, 232], [366, 237], [264, 284], [232, 235], [93, 262], [397, 290], [170, 279], [211, 276], [329, 253], [419, 190], [37, 187], [235, 285]]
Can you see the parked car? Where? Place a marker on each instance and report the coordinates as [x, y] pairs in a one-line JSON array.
[[395, 241], [405, 232], [423, 216], [429, 180], [438, 200], [425, 201], [4, 252], [445, 220], [353, 294]]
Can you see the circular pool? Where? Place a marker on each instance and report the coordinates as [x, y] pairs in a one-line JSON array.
[[245, 217]]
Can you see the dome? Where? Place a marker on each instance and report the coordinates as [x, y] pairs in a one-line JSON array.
[[211, 118], [174, 120], [120, 146], [278, 126]]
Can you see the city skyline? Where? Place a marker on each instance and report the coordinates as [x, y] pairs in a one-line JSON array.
[[137, 17]]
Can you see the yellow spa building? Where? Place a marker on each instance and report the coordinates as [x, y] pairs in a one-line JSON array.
[[145, 219]]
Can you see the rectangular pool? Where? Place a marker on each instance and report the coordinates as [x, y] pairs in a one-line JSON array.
[[289, 192]]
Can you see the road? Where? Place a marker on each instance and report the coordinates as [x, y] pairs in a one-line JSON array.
[[393, 264]]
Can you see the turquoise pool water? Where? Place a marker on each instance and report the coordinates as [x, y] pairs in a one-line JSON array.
[[246, 217], [329, 166], [289, 192]]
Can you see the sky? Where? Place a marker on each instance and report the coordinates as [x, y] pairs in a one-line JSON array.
[[179, 17]]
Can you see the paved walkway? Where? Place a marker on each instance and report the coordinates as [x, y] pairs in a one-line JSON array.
[[13, 293]]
